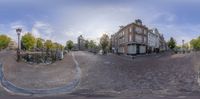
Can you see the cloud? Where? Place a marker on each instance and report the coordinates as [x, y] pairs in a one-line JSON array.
[[11, 29], [46, 31], [69, 20], [91, 22], [17, 24], [94, 21], [180, 31], [42, 29]]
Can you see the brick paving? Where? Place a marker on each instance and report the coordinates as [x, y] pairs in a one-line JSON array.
[[45, 82], [39, 76], [162, 76]]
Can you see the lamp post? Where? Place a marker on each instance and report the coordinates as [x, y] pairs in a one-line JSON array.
[[18, 30], [183, 46]]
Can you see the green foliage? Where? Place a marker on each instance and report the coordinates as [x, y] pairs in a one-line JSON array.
[[39, 43], [104, 42], [195, 43], [92, 44], [178, 47], [171, 43], [48, 44], [57, 46], [86, 44], [61, 47], [186, 46], [29, 41], [69, 44], [4, 41]]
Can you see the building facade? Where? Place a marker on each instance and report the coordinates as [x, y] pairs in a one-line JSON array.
[[153, 41], [163, 44], [12, 45], [113, 42], [81, 43], [130, 39], [136, 38]]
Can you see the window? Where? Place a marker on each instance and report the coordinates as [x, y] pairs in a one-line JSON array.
[[121, 49], [130, 30], [138, 30], [142, 49], [130, 37], [145, 32], [145, 39], [132, 49], [138, 38], [120, 41]]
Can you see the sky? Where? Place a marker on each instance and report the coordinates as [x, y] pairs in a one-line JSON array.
[[62, 20]]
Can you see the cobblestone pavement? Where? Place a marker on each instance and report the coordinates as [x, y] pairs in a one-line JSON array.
[[162, 76], [39, 76], [39, 80]]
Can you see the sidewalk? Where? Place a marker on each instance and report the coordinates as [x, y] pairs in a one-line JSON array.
[[139, 56]]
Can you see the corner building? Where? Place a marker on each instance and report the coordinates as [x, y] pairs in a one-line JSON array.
[[130, 39]]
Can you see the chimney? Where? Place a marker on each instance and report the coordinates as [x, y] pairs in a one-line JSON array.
[[138, 22], [121, 26]]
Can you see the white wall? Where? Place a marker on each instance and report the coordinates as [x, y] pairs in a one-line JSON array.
[[132, 49], [121, 50], [153, 40], [142, 49]]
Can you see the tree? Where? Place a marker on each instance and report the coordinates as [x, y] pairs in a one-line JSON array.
[[57, 46], [86, 44], [39, 43], [4, 41], [48, 45], [195, 43], [29, 41], [91, 44], [69, 45], [104, 42], [61, 47], [171, 43]]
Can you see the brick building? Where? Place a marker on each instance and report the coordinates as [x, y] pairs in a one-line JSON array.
[[136, 38], [130, 39], [163, 44]]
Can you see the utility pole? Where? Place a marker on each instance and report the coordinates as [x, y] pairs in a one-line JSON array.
[[18, 30]]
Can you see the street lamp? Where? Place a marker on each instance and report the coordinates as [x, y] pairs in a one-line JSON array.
[[18, 30], [183, 46]]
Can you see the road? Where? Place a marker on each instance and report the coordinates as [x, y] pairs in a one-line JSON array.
[[162, 76]]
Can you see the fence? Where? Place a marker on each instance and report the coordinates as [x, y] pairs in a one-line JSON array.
[[42, 57]]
